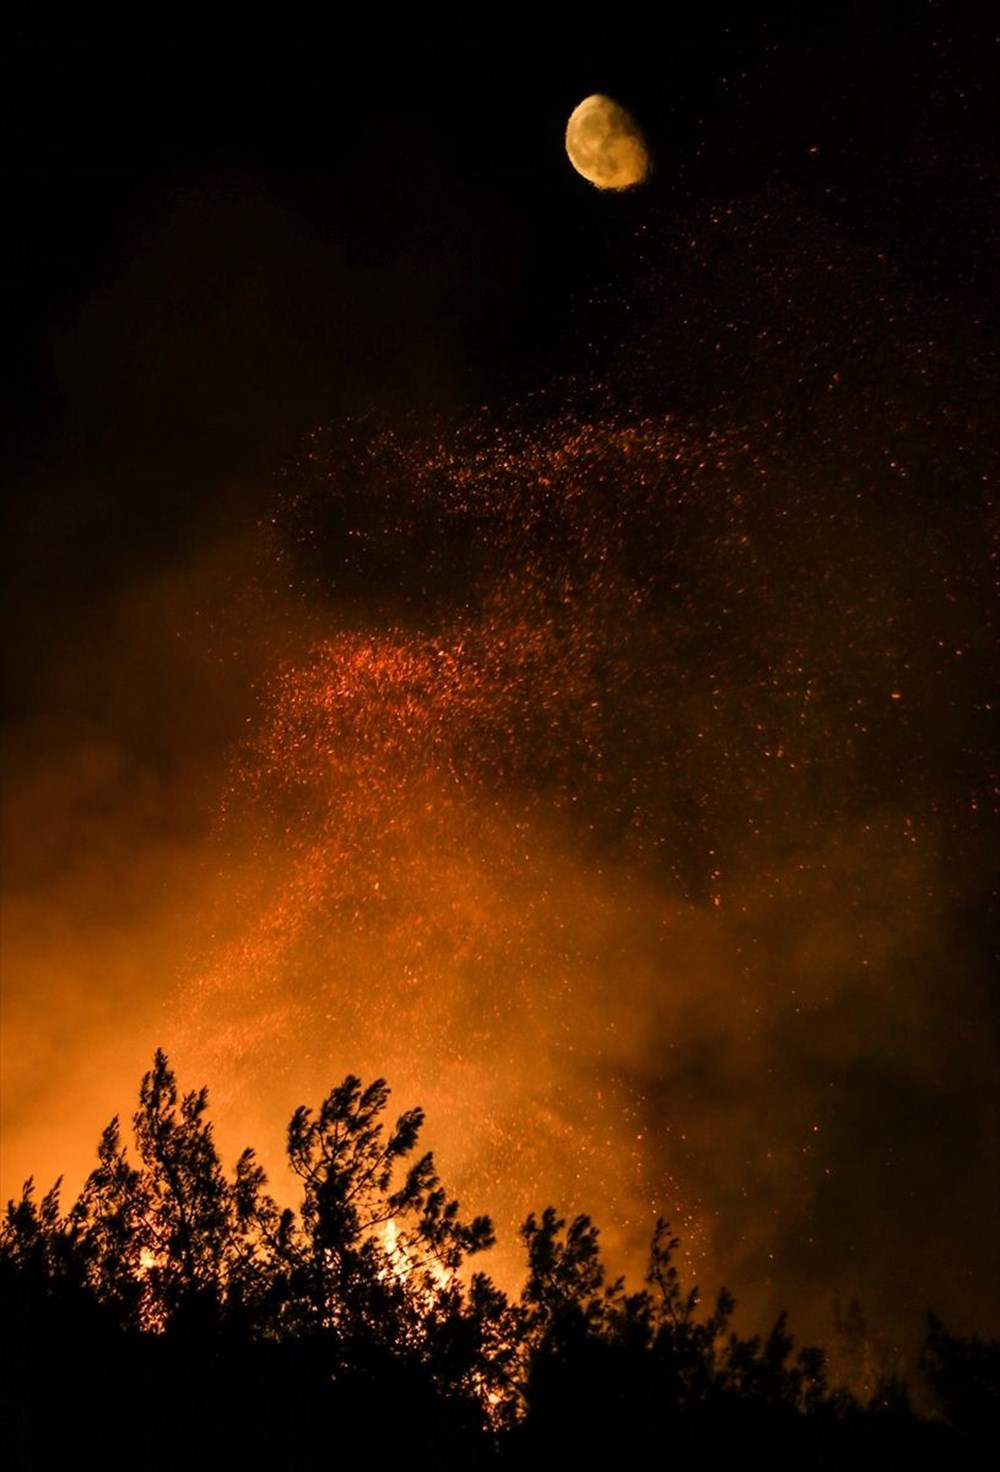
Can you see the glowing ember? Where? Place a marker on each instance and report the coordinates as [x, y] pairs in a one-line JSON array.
[[528, 837], [620, 785]]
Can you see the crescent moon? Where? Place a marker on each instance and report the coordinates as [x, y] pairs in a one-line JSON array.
[[605, 144]]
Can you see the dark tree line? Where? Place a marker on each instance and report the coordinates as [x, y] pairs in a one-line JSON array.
[[177, 1316]]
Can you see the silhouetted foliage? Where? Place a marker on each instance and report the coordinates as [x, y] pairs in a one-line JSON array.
[[232, 1332], [170, 1241], [868, 1368], [964, 1378], [369, 1243]]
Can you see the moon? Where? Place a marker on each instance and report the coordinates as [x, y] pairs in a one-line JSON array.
[[605, 144]]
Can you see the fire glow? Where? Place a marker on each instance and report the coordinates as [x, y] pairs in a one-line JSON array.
[[592, 795], [522, 843]]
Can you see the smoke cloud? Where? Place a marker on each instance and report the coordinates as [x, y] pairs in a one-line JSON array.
[[611, 772]]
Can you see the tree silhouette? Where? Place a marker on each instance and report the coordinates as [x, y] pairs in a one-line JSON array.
[[376, 1231], [564, 1294], [964, 1378], [372, 1276], [347, 1325], [171, 1241], [572, 1322]]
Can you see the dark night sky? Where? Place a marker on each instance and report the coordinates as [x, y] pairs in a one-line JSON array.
[[221, 235]]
